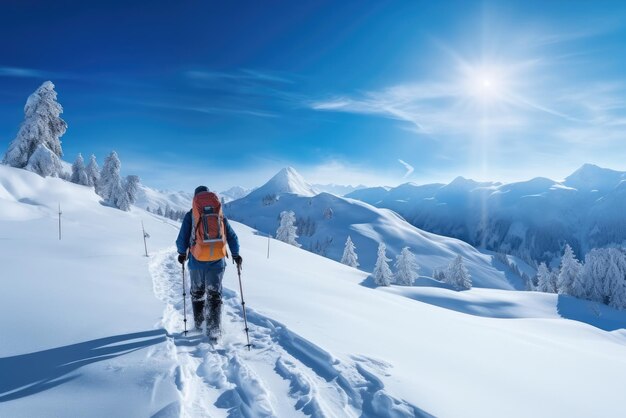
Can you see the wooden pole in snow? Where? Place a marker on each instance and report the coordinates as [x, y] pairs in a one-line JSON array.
[[60, 213], [145, 246]]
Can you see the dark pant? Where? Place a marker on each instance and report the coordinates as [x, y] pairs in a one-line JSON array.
[[207, 282]]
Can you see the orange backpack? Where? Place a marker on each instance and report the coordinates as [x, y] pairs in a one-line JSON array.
[[208, 236]]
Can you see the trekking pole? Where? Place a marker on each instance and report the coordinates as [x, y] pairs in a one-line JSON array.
[[184, 301], [243, 305]]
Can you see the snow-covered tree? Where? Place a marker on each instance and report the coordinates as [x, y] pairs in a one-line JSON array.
[[79, 172], [406, 267], [286, 232], [110, 184], [439, 274], [382, 273], [37, 146], [569, 281], [131, 187], [618, 297], [545, 279], [349, 257], [44, 162], [457, 275], [595, 272], [93, 172], [615, 281], [114, 191], [128, 194]]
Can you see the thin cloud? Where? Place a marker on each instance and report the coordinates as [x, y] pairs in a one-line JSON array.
[[19, 72], [211, 110], [246, 75]]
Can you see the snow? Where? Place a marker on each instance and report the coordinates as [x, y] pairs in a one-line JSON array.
[[530, 219], [152, 198], [105, 337], [287, 180], [368, 226], [234, 193], [74, 311]]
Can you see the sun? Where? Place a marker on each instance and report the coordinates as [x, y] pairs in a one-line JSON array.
[[484, 84]]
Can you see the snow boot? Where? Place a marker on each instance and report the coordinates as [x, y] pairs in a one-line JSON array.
[[214, 315], [198, 313]]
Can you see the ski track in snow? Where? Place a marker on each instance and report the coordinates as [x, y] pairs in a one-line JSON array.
[[283, 375]]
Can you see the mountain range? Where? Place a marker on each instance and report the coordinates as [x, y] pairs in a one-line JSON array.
[[531, 219]]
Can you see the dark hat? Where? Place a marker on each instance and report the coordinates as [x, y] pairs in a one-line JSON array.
[[200, 189]]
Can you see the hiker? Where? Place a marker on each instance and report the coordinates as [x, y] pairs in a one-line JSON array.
[[204, 233]]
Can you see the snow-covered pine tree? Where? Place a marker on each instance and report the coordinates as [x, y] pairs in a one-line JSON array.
[[544, 279], [439, 275], [382, 273], [93, 172], [45, 163], [349, 257], [457, 275], [595, 272], [569, 282], [554, 279], [406, 267], [159, 211], [615, 280], [131, 187], [79, 172], [128, 194], [286, 232], [37, 146], [110, 184]]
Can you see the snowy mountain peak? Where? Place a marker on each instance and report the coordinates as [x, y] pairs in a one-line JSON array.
[[466, 184], [590, 176], [287, 180]]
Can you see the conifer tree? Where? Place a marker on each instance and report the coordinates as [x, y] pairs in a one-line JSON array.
[[457, 275], [569, 282], [382, 273], [286, 232], [93, 172], [544, 279], [406, 267], [37, 146], [110, 184], [595, 272], [350, 257], [79, 172]]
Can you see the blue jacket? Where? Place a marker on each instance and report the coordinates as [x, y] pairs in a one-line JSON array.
[[184, 236]]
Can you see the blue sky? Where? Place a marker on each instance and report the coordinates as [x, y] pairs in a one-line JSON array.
[[226, 93]]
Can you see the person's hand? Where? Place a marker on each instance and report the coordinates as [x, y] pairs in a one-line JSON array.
[[182, 258], [238, 260]]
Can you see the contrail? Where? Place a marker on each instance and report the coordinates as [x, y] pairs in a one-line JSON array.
[[409, 168]]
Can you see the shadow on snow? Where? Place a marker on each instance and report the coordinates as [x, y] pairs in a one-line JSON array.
[[27, 374]]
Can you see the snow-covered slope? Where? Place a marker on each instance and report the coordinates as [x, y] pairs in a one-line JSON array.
[[337, 189], [154, 199], [234, 193], [325, 221], [78, 315], [91, 328], [532, 219]]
